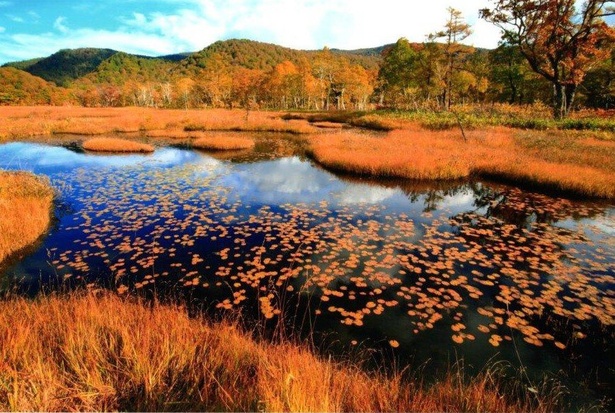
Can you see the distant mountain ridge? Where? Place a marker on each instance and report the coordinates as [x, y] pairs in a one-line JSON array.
[[65, 65], [69, 65]]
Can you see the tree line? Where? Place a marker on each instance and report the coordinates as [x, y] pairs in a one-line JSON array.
[[551, 51]]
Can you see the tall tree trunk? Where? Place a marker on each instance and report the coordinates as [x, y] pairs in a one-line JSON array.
[[570, 93], [559, 101]]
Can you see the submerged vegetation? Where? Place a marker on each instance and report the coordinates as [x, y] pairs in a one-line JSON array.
[[472, 277], [484, 270], [101, 352], [25, 210]]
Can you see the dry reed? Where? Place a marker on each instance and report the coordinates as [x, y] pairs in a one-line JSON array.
[[87, 352], [582, 165], [26, 122], [25, 210], [116, 145], [223, 142]]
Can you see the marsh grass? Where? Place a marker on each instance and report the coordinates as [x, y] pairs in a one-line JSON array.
[[116, 145], [223, 142], [358, 119], [26, 122], [537, 152], [576, 164], [25, 210], [532, 117], [103, 352]]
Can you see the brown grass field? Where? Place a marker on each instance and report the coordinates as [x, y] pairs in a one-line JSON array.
[[25, 210], [223, 142], [579, 163], [104, 352], [39, 121], [116, 145], [564, 162]]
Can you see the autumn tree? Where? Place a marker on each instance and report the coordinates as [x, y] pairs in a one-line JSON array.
[[324, 71], [455, 30], [246, 84], [358, 85], [398, 75], [559, 41], [184, 87], [599, 85], [283, 85]]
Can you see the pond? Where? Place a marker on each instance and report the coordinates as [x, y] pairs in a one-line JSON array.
[[424, 274]]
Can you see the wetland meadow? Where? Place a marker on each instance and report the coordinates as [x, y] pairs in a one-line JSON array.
[[248, 260]]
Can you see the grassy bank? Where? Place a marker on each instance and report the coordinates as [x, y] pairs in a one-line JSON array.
[[25, 210], [528, 117], [116, 145], [412, 145], [40, 121], [86, 352], [559, 161], [223, 142]]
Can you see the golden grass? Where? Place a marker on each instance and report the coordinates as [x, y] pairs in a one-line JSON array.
[[25, 210], [328, 125], [560, 161], [580, 163], [225, 120], [116, 145], [86, 352], [223, 142], [39, 121]]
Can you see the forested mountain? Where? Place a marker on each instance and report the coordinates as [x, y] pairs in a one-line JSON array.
[[66, 65], [255, 55], [371, 51], [18, 87], [23, 64], [235, 73]]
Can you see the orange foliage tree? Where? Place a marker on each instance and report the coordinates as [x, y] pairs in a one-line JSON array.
[[559, 41]]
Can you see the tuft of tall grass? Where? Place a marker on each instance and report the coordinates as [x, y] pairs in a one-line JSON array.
[[532, 117], [102, 352], [25, 210], [578, 165], [116, 145], [223, 142]]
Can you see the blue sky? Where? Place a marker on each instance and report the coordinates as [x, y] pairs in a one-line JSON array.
[[38, 28]]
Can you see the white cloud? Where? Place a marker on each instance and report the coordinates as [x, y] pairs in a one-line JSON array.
[[310, 24], [60, 26], [26, 46], [304, 24], [16, 19], [34, 16], [366, 194], [2, 29]]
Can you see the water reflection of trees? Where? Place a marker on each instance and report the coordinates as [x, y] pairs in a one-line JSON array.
[[430, 193], [267, 146], [522, 208]]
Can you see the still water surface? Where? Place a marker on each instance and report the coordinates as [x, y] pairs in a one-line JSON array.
[[423, 273]]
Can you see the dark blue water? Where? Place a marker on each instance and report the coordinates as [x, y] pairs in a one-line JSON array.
[[426, 273]]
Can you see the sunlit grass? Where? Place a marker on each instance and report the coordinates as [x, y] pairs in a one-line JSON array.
[[532, 117], [223, 142], [87, 352], [116, 145], [578, 164], [25, 210], [25, 122]]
